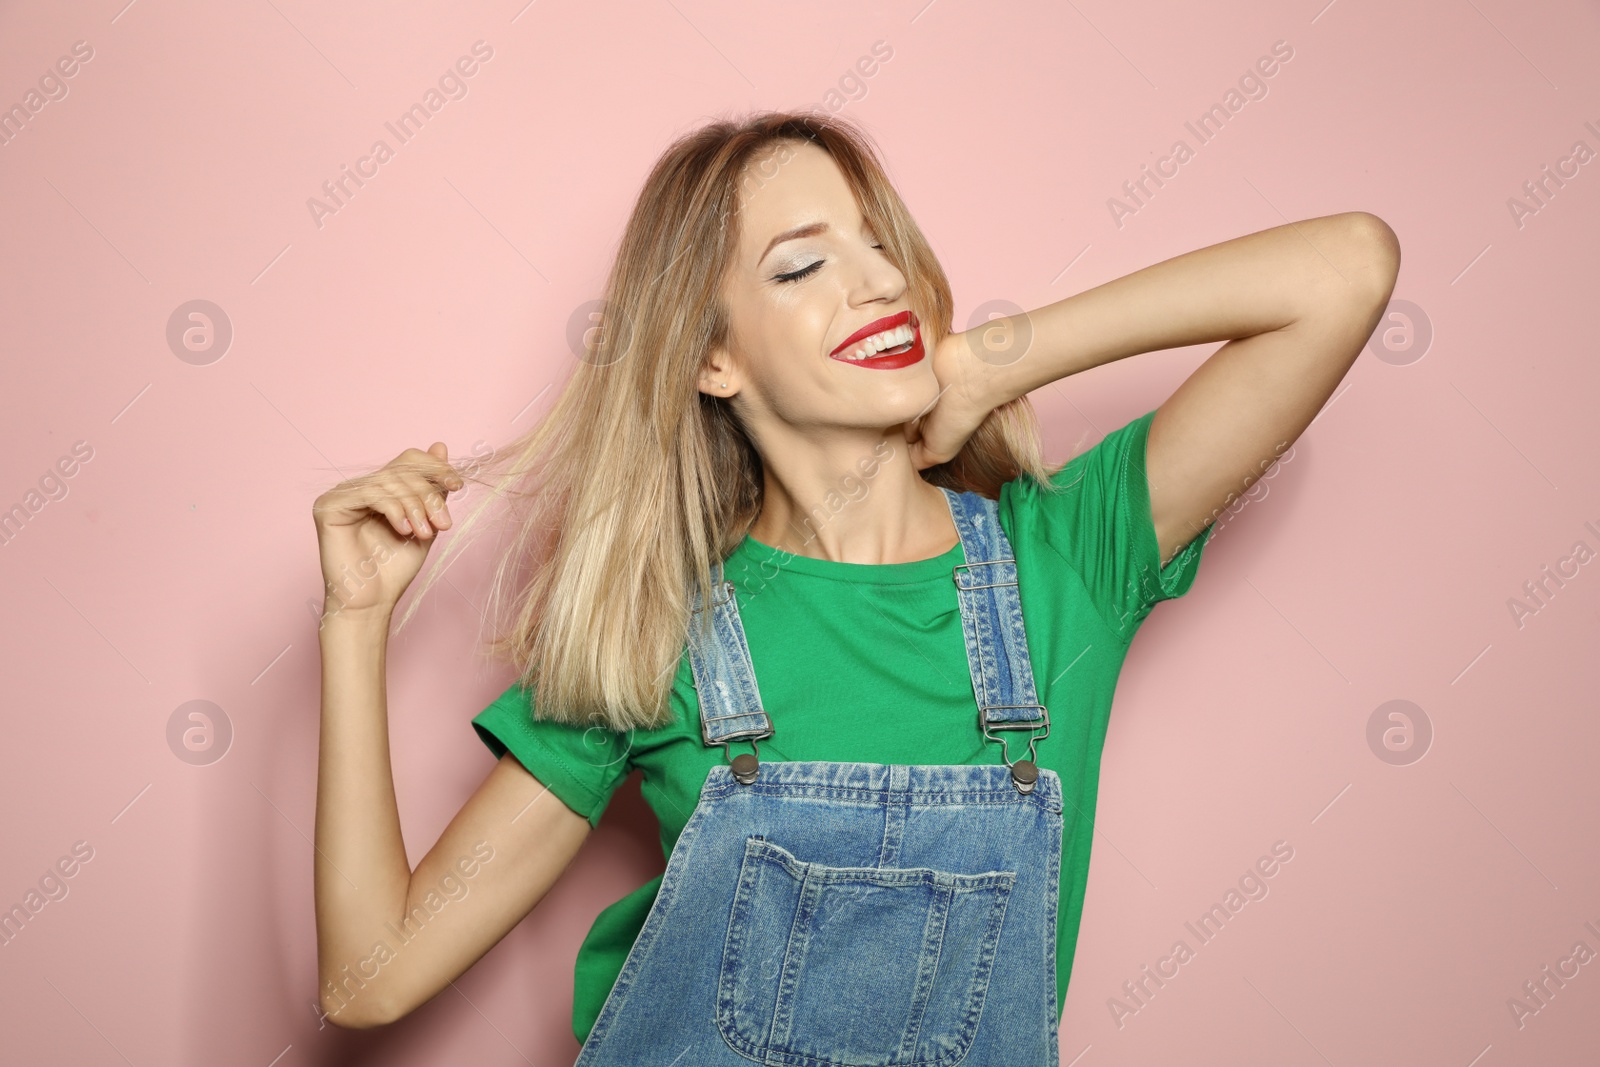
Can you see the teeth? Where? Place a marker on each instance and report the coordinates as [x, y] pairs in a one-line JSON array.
[[878, 342]]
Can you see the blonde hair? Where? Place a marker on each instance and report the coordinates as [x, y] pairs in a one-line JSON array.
[[635, 482]]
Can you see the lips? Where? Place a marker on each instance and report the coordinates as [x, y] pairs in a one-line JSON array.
[[884, 360]]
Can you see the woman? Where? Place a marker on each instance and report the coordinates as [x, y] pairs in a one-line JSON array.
[[784, 529]]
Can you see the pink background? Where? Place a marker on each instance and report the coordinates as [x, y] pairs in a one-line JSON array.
[[1377, 565]]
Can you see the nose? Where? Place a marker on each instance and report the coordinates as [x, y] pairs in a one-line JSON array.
[[878, 280]]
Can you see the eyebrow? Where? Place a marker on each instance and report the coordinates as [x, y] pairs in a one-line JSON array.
[[810, 229]]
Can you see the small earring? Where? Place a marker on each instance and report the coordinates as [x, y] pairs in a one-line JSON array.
[[722, 385]]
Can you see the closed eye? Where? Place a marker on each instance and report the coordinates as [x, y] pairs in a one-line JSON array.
[[803, 272], [806, 271]]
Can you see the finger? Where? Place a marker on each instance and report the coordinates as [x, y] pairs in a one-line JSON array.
[[432, 499], [923, 457], [390, 509], [434, 465], [404, 491], [448, 478], [376, 499], [350, 502], [424, 474]]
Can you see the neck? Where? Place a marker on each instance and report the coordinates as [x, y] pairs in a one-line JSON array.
[[852, 499]]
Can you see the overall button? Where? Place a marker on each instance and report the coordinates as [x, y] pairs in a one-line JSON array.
[[745, 767], [1024, 773]]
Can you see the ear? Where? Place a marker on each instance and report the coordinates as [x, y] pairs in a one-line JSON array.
[[719, 375]]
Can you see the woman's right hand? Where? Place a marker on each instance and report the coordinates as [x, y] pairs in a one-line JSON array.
[[374, 531]]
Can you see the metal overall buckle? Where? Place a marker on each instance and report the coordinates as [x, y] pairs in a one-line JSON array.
[[745, 766], [1024, 772]]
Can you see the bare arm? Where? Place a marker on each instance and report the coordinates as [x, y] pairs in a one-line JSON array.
[[388, 937], [1295, 304]]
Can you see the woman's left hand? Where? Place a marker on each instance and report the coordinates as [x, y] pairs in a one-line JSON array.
[[964, 401]]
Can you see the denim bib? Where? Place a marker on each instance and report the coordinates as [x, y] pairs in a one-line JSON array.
[[822, 914]]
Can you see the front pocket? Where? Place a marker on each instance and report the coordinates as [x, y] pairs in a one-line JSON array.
[[858, 966]]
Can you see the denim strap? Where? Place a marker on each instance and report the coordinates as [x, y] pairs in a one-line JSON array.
[[724, 678], [991, 615], [991, 623]]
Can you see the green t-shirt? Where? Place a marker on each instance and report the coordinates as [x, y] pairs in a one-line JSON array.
[[897, 688]]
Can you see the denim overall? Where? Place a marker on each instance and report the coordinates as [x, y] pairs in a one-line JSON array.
[[819, 914]]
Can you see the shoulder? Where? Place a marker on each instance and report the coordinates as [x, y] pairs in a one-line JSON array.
[[1092, 474]]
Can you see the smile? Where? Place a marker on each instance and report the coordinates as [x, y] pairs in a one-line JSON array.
[[884, 344]]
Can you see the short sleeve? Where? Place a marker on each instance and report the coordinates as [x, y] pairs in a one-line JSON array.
[[1100, 523], [582, 766]]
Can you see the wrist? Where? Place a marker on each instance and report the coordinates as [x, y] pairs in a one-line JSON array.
[[986, 358], [373, 621]]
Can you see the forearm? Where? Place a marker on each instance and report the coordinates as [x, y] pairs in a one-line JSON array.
[[1239, 288], [361, 872]]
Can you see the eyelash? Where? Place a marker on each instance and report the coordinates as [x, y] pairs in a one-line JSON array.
[[799, 274], [804, 272]]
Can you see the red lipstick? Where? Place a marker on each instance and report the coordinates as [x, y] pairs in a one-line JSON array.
[[901, 356]]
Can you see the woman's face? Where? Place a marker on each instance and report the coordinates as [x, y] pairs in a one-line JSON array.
[[807, 277]]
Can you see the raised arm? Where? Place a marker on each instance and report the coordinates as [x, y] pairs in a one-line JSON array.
[[1295, 303], [388, 937]]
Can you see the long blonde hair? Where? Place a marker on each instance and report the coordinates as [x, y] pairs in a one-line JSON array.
[[635, 482]]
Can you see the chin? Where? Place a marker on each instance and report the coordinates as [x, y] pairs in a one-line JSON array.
[[910, 408]]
